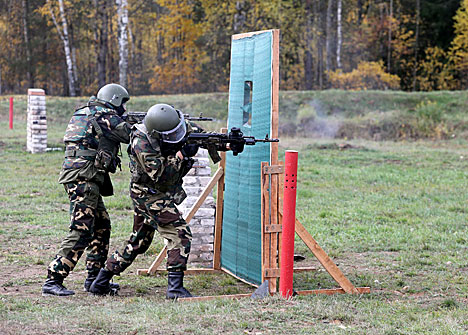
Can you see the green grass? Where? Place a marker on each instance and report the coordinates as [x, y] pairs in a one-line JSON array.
[[391, 214]]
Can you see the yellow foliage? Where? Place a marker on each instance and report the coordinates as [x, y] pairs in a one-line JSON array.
[[180, 60], [459, 48], [435, 72], [367, 76]]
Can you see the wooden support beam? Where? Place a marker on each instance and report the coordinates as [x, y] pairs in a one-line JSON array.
[[359, 290], [154, 266], [272, 273], [265, 210], [273, 228], [250, 34], [189, 272], [273, 169], [212, 297], [324, 259], [206, 191], [219, 212], [305, 269]]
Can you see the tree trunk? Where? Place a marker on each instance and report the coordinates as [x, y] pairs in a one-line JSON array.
[[102, 40], [320, 43], [74, 62], [416, 42], [328, 33], [359, 18], [27, 43], [308, 59], [66, 47], [122, 10], [389, 52], [339, 35]]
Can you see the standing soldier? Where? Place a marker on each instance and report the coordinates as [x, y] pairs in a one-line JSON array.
[[157, 163], [92, 140]]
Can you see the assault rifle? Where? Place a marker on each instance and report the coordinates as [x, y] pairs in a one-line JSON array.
[[136, 117], [234, 141], [213, 142]]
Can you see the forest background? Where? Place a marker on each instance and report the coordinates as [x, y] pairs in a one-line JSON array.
[[163, 46]]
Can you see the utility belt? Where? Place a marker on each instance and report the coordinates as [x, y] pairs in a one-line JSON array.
[[89, 154], [144, 180]]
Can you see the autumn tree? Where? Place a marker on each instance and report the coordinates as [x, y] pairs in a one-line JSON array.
[[459, 47]]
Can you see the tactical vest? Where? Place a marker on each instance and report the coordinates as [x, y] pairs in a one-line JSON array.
[[82, 134]]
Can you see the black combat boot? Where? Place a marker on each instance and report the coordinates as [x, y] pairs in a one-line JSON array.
[[53, 286], [92, 277], [101, 285], [175, 286]]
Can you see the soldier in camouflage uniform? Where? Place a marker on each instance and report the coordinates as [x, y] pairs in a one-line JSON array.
[[158, 161], [92, 140]]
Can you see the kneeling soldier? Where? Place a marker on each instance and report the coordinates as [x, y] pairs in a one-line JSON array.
[[158, 161], [92, 140]]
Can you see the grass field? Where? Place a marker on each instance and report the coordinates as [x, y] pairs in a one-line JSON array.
[[393, 215]]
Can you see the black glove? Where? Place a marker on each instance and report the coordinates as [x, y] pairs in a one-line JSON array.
[[189, 150]]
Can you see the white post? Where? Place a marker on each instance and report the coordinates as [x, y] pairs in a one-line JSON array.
[[37, 121]]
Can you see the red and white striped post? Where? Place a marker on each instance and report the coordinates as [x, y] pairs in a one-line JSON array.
[[289, 220], [11, 112]]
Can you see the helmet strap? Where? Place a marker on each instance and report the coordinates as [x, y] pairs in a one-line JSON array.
[[120, 110]]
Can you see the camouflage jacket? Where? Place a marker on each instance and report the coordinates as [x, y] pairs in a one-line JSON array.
[[152, 172], [82, 137]]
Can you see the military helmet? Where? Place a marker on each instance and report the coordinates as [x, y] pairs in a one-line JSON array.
[[114, 94], [165, 122]]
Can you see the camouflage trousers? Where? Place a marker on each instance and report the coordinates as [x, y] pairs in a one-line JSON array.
[[90, 229], [154, 212]]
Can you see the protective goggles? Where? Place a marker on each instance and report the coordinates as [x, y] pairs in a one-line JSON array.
[[177, 134]]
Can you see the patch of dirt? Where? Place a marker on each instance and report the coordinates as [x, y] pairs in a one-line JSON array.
[[23, 281]]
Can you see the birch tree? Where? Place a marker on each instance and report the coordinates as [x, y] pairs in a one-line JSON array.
[[416, 42], [27, 43], [389, 51], [338, 34], [63, 33], [308, 57], [122, 13], [328, 37], [101, 37]]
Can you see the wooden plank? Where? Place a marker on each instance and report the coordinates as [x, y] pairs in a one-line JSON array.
[[359, 290], [206, 191], [274, 222], [154, 266], [265, 220], [305, 269], [324, 259], [219, 212], [274, 152], [275, 96], [274, 169], [272, 273], [250, 34], [280, 209], [273, 228], [213, 297], [189, 272]]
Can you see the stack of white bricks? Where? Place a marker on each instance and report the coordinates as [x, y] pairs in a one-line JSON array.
[[37, 121], [202, 224]]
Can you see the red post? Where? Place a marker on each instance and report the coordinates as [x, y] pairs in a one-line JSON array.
[[11, 112], [289, 220]]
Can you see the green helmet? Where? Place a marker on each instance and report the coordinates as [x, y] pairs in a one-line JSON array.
[[113, 94], [165, 122]]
